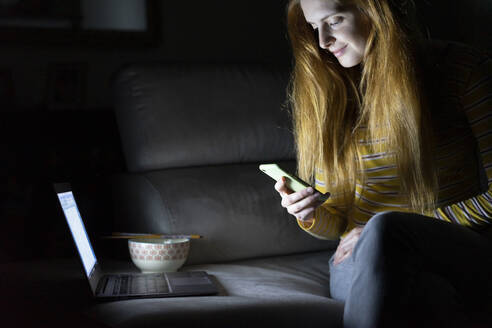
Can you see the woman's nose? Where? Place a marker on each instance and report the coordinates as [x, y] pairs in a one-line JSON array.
[[325, 39]]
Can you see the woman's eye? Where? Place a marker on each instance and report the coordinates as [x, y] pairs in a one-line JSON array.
[[335, 21]]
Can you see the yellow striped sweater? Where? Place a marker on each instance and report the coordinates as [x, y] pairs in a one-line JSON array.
[[462, 123]]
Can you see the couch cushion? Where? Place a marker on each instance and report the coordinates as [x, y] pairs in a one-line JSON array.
[[172, 115], [283, 291], [289, 291], [235, 207]]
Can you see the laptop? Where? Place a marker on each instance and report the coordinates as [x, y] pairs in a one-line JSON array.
[[126, 285]]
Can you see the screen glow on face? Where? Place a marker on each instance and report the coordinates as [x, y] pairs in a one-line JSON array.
[[78, 231], [341, 30]]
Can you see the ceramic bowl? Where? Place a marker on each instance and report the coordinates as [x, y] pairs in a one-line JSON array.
[[158, 255]]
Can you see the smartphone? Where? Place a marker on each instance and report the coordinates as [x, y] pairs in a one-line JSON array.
[[293, 182]]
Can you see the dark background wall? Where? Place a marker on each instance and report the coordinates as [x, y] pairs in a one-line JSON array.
[[213, 30], [40, 144], [216, 30]]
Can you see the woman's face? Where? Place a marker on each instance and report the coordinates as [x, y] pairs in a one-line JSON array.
[[342, 30]]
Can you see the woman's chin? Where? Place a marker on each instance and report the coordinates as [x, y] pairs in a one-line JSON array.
[[348, 62]]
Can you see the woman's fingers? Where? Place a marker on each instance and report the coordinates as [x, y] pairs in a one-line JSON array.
[[343, 251], [347, 245], [300, 204], [296, 197], [305, 214], [351, 238], [339, 253], [341, 257], [281, 187]]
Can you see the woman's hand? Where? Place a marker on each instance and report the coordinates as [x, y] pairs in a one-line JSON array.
[[301, 204], [347, 244]]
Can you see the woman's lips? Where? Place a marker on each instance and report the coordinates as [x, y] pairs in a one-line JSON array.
[[339, 52]]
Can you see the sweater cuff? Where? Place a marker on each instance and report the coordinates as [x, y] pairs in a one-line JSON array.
[[306, 225]]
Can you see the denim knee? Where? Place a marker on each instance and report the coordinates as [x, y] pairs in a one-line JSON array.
[[377, 234], [381, 222]]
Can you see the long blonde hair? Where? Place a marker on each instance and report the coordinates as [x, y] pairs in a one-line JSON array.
[[329, 103]]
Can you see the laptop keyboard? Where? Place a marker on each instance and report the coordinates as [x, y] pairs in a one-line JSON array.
[[144, 284]]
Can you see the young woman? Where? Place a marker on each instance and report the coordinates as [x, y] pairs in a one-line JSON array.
[[399, 131]]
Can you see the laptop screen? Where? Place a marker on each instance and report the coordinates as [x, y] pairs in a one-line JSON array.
[[78, 231]]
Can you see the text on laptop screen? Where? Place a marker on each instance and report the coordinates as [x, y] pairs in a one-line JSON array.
[[77, 228]]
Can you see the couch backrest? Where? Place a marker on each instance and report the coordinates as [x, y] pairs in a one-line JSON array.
[[181, 115], [193, 136]]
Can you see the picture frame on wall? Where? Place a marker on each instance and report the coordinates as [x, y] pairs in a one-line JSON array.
[[66, 86], [81, 22], [38, 21], [38, 12]]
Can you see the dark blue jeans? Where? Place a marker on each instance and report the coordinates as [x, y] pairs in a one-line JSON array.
[[409, 270]]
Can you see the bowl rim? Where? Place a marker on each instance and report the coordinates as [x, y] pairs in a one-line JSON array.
[[158, 241]]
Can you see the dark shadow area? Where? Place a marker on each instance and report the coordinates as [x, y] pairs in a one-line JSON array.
[[40, 148]]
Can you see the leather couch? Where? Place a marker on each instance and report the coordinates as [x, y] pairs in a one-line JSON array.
[[193, 137]]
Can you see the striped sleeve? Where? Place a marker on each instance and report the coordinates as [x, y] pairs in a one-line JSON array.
[[328, 222], [477, 104]]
